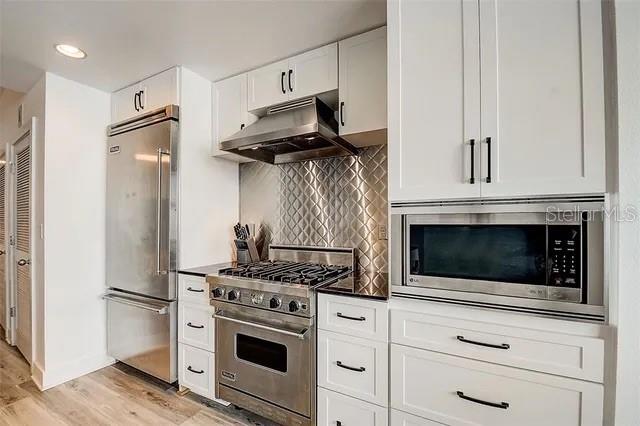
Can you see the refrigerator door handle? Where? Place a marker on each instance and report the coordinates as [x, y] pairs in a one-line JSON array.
[[137, 304], [159, 270]]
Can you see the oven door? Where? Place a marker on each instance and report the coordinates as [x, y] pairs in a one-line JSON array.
[[495, 253], [267, 355]]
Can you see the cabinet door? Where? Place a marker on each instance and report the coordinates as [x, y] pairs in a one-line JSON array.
[[313, 72], [434, 99], [542, 96], [268, 85], [124, 104], [160, 90], [229, 109], [458, 391], [363, 82]]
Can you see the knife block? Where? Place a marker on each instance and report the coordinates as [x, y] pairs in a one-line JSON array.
[[247, 251]]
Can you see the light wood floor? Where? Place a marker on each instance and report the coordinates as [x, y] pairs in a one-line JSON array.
[[116, 395]]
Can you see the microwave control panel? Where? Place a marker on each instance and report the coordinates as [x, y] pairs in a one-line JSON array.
[[564, 253]]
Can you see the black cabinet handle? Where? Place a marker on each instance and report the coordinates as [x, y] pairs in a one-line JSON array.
[[290, 86], [22, 262], [340, 315], [282, 82], [342, 113], [503, 405], [242, 126], [135, 101], [488, 345], [347, 367], [488, 160], [472, 144], [140, 99], [194, 371], [194, 326], [195, 290]]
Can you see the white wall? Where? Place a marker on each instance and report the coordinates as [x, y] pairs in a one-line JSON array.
[[627, 313], [209, 187], [74, 231]]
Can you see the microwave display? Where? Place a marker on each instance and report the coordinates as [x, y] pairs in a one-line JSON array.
[[503, 253]]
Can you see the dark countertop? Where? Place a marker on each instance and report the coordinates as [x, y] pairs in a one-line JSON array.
[[370, 285], [203, 271]]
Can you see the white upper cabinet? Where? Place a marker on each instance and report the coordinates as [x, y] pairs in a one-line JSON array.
[[542, 96], [268, 85], [152, 93], [538, 127], [230, 113], [434, 99], [307, 74], [363, 85], [313, 72]]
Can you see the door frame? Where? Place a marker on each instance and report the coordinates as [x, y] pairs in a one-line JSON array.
[[30, 131]]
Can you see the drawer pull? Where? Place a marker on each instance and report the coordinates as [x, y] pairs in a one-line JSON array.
[[340, 315], [488, 345], [195, 371], [503, 405], [195, 290], [347, 367], [194, 326]]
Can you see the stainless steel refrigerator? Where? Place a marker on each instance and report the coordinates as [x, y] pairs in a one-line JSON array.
[[142, 195]]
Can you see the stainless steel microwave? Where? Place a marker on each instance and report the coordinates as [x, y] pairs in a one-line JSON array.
[[543, 257]]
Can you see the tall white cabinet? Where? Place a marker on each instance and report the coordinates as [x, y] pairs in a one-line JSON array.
[[493, 98]]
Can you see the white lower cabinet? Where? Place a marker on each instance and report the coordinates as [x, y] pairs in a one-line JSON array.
[[196, 326], [335, 409], [197, 370], [400, 418], [354, 366], [459, 391]]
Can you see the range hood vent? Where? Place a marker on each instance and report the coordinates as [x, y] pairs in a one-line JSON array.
[[300, 130]]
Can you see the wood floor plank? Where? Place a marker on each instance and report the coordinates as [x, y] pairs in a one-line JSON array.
[[27, 412], [210, 417], [165, 404]]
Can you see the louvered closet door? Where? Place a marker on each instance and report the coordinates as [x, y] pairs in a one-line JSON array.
[[22, 256], [3, 250]]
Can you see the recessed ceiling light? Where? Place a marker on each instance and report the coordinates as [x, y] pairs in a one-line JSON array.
[[70, 51]]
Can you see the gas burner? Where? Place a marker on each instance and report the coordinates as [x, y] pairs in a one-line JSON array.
[[285, 272]]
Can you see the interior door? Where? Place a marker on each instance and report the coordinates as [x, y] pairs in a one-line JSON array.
[[434, 99], [21, 259], [4, 288], [542, 97]]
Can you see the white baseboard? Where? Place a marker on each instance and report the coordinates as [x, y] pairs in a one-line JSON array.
[[56, 375]]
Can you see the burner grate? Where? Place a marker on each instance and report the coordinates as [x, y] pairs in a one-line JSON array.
[[309, 274]]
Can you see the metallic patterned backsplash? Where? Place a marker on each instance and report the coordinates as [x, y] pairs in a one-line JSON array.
[[334, 202]]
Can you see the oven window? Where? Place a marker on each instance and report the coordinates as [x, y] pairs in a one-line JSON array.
[[504, 253], [261, 352]]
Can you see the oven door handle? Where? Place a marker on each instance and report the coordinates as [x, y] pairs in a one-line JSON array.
[[300, 335]]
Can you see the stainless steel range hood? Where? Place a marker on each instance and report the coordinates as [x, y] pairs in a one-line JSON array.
[[296, 131]]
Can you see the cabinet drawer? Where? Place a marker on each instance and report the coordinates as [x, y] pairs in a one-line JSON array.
[[357, 317], [458, 391], [196, 326], [400, 418], [197, 370], [353, 366], [337, 409], [193, 289], [563, 354]]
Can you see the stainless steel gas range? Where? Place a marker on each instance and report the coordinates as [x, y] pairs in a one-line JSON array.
[[265, 329]]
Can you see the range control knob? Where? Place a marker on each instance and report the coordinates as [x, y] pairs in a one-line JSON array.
[[294, 306], [233, 295], [218, 292], [256, 298], [275, 302]]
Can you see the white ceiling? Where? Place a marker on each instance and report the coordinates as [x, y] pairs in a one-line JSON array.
[[128, 41]]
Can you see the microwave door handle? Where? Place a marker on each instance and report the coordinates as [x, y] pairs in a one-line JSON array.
[[301, 335], [135, 304]]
